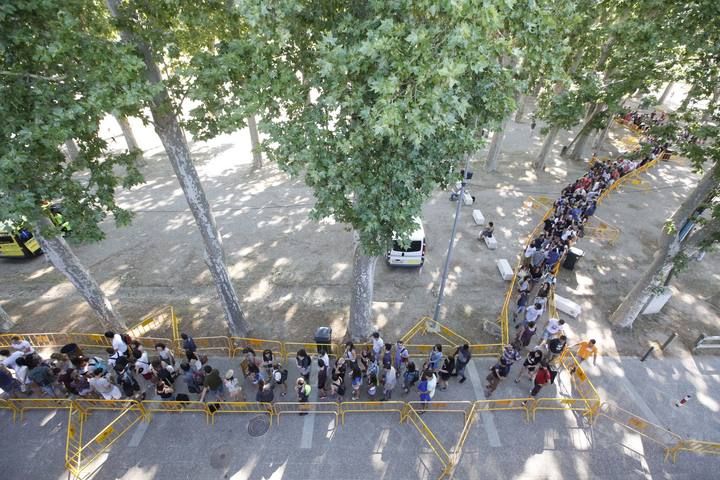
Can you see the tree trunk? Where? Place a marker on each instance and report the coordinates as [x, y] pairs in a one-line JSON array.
[[61, 256], [127, 133], [539, 163], [521, 104], [669, 246], [363, 277], [584, 130], [577, 152], [173, 139], [688, 98], [711, 105], [6, 323], [255, 142], [666, 93], [72, 149], [605, 53], [496, 147], [603, 134]]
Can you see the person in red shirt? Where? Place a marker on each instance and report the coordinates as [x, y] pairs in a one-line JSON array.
[[542, 378]]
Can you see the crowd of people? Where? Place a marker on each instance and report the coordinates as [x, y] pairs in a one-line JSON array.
[[644, 121]]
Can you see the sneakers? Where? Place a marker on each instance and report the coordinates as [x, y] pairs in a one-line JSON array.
[[462, 380], [524, 403]]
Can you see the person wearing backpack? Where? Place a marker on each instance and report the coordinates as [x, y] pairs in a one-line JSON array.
[[188, 344], [118, 344], [498, 372], [410, 376], [338, 386], [462, 358], [303, 390], [279, 377], [43, 377]]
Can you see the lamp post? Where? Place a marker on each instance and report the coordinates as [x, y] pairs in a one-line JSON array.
[[467, 175]]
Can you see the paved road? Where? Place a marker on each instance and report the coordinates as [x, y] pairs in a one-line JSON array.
[[500, 445]]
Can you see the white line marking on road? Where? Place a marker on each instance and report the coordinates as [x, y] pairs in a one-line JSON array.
[[488, 419], [139, 434], [308, 431]]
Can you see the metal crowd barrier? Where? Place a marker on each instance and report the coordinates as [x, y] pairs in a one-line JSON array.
[[372, 407]]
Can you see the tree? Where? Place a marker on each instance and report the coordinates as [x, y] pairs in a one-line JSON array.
[[56, 85], [396, 92], [6, 323], [255, 142], [127, 132], [163, 34]]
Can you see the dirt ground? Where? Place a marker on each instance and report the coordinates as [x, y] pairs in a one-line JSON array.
[[293, 275]]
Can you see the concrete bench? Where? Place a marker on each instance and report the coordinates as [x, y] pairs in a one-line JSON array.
[[490, 242], [567, 306], [478, 217], [506, 271]]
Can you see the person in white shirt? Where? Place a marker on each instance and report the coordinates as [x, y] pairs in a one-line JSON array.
[[117, 342], [432, 383], [8, 359], [21, 345], [377, 344], [102, 385], [554, 327], [532, 314]]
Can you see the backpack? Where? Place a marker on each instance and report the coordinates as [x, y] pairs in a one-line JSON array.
[[126, 338], [387, 359], [129, 384]]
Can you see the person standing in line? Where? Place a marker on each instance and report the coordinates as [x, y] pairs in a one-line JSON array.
[[410, 376], [447, 367], [338, 386], [542, 378], [524, 336], [497, 373], [533, 314], [390, 382], [264, 393], [555, 348], [356, 381], [232, 387], [279, 377], [212, 384], [402, 357], [303, 362], [532, 360], [322, 378], [435, 360], [118, 344], [303, 390], [522, 302], [349, 353], [188, 344], [21, 345], [554, 327], [268, 360], [377, 345], [387, 358], [462, 358], [424, 392]]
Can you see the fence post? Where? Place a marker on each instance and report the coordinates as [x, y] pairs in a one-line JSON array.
[[647, 354], [667, 342], [699, 341]]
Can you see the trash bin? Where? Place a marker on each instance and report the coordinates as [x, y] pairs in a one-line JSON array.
[[323, 338], [572, 257]]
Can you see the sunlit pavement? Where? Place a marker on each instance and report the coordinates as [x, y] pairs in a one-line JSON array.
[[558, 444]]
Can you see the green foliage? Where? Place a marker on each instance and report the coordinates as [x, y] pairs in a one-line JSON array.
[[61, 71], [375, 104]]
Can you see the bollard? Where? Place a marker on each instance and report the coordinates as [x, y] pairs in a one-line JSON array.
[[698, 341], [667, 342], [647, 353]]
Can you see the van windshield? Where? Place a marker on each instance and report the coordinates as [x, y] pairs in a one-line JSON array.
[[415, 246]]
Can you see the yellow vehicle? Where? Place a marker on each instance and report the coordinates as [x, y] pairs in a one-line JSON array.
[[22, 243]]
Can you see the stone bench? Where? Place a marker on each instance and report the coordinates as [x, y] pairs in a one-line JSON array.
[[490, 242], [506, 271], [567, 306], [478, 217]]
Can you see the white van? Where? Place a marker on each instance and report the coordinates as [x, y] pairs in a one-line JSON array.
[[414, 255]]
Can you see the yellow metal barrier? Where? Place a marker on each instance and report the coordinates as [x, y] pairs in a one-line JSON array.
[[85, 405], [504, 404], [5, 404], [212, 345], [558, 403], [412, 416], [427, 325], [456, 452], [155, 321], [331, 408], [291, 349], [258, 345], [22, 404], [461, 406], [73, 443], [163, 406], [242, 407], [93, 448], [695, 446], [486, 350], [86, 341], [669, 441], [371, 407]]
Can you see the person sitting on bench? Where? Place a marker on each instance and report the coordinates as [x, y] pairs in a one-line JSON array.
[[487, 231]]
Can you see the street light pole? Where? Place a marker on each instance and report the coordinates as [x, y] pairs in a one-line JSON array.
[[441, 293]]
